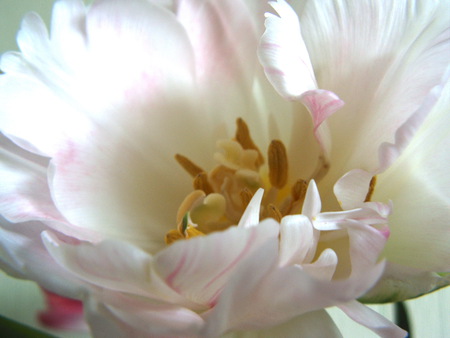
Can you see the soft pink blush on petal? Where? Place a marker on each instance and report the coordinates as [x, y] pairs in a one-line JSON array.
[[199, 268], [283, 54], [62, 313], [223, 37]]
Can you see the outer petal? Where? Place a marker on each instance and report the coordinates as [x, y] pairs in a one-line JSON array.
[[419, 186], [309, 325], [139, 317], [400, 283], [105, 264], [68, 89], [23, 255], [382, 58], [223, 35], [24, 192]]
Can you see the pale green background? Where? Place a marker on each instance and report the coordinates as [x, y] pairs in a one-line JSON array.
[[20, 300]]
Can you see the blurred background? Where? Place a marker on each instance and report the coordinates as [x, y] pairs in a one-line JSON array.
[[20, 300]]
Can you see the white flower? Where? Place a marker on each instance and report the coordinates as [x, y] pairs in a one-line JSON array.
[[389, 63], [98, 110]]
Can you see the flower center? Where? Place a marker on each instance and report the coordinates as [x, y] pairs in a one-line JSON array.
[[221, 195]]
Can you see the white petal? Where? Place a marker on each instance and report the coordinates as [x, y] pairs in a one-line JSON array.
[[418, 185], [352, 188], [104, 265], [309, 325], [400, 283], [200, 267], [381, 58], [324, 267], [23, 255], [283, 53], [312, 204], [224, 38], [372, 320], [142, 317], [297, 240], [251, 214]]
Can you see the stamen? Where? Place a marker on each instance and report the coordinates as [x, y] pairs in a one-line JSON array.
[[298, 190], [372, 184], [188, 165], [245, 140], [274, 213], [201, 183], [278, 164], [246, 197]]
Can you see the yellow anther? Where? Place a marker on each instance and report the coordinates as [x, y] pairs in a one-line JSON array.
[[201, 183], [188, 165], [245, 140], [372, 184], [278, 164]]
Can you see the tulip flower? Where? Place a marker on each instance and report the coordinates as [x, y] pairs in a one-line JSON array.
[[291, 206]]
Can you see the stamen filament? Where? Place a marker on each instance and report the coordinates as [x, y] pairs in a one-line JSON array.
[[188, 165], [201, 183], [245, 140]]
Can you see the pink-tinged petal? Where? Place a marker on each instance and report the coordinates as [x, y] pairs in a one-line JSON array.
[[324, 267], [142, 317], [224, 38], [69, 91], [62, 313], [352, 188], [104, 265], [309, 325], [251, 214], [382, 81], [247, 302], [372, 320], [298, 240], [24, 192], [418, 184], [341, 219], [312, 204], [200, 267], [389, 152], [283, 54], [23, 255], [321, 104], [366, 245], [400, 283]]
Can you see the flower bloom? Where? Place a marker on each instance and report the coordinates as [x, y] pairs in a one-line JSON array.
[[96, 207]]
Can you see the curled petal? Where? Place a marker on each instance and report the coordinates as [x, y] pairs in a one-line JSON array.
[[283, 53]]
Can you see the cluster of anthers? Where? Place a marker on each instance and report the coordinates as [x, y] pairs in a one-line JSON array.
[[221, 196]]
